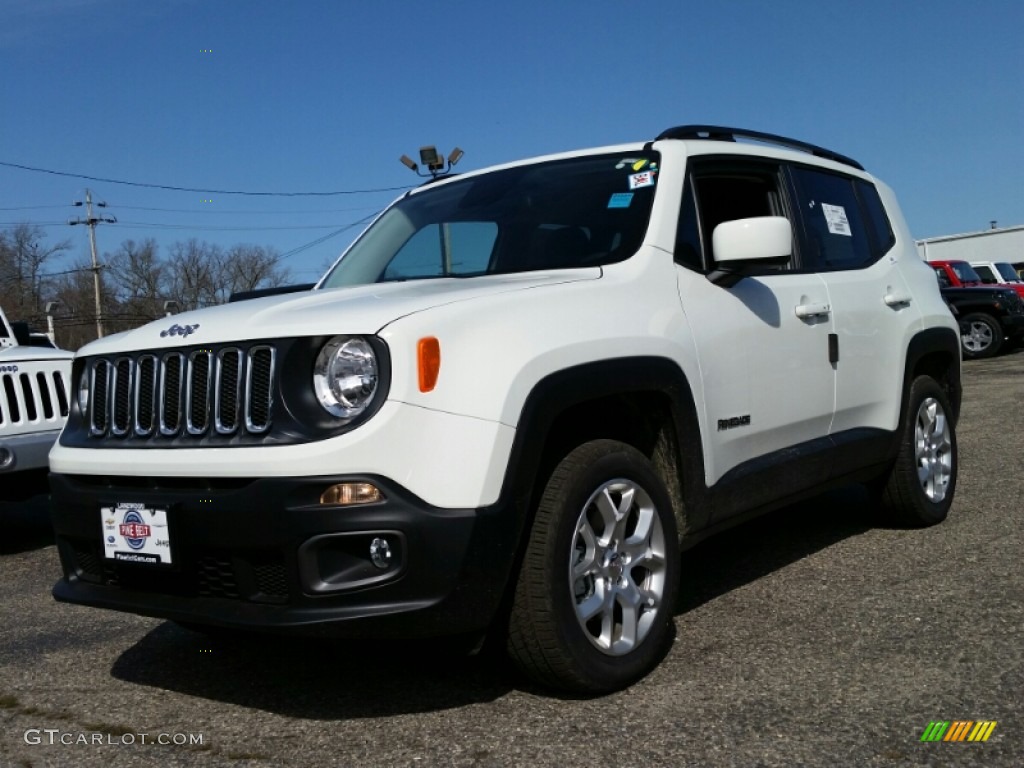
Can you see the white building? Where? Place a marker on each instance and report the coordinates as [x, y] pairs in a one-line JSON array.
[[1002, 244]]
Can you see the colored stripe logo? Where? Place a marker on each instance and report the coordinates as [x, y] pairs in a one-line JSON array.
[[958, 730]]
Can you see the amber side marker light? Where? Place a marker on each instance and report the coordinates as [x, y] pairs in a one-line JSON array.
[[428, 358], [344, 494]]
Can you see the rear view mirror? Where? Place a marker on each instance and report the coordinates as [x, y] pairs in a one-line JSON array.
[[746, 246]]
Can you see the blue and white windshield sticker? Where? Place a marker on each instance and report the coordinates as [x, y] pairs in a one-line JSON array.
[[620, 200]]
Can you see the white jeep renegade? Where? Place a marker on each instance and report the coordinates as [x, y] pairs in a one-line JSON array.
[[514, 401]]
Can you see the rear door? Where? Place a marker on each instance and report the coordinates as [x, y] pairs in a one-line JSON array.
[[847, 240]]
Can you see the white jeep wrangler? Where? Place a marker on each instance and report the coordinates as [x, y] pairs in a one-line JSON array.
[[514, 401], [34, 383]]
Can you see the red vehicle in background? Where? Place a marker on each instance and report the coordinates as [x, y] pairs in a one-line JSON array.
[[960, 274]]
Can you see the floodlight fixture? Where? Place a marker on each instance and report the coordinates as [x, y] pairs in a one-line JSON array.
[[433, 161]]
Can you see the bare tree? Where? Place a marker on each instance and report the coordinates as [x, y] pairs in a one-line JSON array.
[[23, 279], [138, 281], [75, 319], [247, 267]]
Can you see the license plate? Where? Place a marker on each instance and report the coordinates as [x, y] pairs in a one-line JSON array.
[[135, 533]]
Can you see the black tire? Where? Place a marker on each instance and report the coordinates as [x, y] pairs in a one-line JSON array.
[[927, 440], [980, 336], [627, 561]]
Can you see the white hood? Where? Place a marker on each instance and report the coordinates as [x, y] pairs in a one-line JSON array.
[[43, 354], [362, 309]]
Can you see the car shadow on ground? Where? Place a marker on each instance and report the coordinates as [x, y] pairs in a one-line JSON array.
[[25, 525], [318, 679], [343, 679], [757, 548]]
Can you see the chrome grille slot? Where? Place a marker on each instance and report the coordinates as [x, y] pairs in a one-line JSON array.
[[100, 387], [197, 392], [145, 395], [171, 378], [259, 385], [29, 397], [121, 397], [11, 395], [62, 397], [227, 389], [44, 395]]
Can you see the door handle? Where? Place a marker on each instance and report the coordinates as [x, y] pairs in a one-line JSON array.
[[897, 299], [804, 311]]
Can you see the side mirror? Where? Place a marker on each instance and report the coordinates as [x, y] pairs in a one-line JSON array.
[[746, 246]]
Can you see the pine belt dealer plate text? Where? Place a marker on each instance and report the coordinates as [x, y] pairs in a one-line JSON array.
[[135, 533]]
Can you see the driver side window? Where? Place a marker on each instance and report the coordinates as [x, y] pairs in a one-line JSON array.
[[717, 192]]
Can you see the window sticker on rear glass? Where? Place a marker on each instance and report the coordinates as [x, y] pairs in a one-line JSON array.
[[620, 200], [835, 217], [639, 180]]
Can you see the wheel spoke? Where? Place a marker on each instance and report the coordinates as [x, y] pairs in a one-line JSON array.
[[608, 510], [594, 604], [588, 562], [622, 514], [630, 604]]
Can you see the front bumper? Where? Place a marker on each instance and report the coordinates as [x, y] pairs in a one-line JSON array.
[[1013, 326], [21, 452], [264, 554]]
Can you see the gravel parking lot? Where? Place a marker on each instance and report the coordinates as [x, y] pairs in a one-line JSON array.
[[811, 637]]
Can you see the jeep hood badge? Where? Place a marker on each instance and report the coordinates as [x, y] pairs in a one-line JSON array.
[[179, 330]]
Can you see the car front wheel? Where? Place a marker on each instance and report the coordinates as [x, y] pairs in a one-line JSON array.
[[595, 596]]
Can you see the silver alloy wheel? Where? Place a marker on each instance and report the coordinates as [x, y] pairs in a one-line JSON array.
[[933, 449], [617, 569], [977, 336]]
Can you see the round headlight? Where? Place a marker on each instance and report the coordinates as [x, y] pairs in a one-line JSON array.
[[345, 376]]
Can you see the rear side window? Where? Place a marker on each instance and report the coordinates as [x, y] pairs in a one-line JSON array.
[[835, 232], [878, 222]]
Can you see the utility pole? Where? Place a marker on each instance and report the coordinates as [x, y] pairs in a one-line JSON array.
[[91, 221]]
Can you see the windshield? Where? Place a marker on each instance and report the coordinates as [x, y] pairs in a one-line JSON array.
[[560, 214], [1008, 272], [965, 272]]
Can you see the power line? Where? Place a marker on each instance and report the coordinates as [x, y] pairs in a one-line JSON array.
[[214, 228], [328, 236], [30, 207], [238, 211], [199, 189]]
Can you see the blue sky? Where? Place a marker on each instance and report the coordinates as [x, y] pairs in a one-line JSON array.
[[323, 96]]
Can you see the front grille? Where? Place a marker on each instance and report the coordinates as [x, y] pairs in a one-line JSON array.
[[174, 394], [216, 578], [257, 576], [27, 398]]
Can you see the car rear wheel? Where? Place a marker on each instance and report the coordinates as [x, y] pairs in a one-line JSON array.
[[919, 489], [596, 593]]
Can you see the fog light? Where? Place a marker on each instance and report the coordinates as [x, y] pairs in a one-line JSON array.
[[6, 457], [380, 553], [351, 493]]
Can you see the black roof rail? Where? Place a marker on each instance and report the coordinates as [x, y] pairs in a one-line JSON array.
[[721, 133]]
